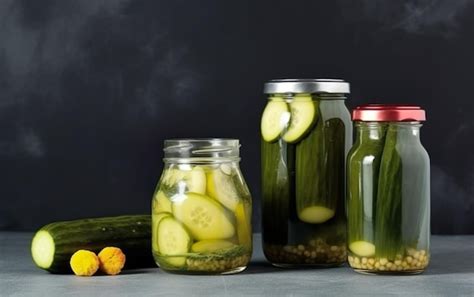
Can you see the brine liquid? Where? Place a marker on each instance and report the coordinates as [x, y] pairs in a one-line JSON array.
[[303, 192], [202, 219]]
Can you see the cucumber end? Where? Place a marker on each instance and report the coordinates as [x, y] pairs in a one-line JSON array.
[[315, 214], [362, 248], [43, 249]]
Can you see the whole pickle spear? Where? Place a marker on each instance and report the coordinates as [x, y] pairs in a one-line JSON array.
[[320, 170], [362, 180], [388, 213], [277, 160]]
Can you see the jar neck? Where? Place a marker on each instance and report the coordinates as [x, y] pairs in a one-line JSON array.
[[306, 96], [375, 131], [370, 131], [201, 151], [407, 132]]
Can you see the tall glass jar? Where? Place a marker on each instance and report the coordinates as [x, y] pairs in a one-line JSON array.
[[388, 197], [201, 209], [306, 134]]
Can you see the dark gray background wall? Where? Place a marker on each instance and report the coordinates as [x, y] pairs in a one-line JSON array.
[[90, 89]]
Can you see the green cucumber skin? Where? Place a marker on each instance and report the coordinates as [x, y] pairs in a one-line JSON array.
[[309, 169], [320, 159], [131, 233], [277, 163], [388, 213], [361, 176], [335, 163]]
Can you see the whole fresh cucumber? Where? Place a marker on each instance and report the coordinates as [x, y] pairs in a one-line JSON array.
[[53, 245]]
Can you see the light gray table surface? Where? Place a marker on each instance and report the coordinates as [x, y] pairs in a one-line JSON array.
[[451, 273]]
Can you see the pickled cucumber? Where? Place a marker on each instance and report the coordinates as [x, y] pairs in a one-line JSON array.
[[221, 187], [211, 245], [362, 180], [303, 112], [192, 180], [388, 209], [204, 217], [316, 214], [161, 203], [274, 119], [156, 219], [244, 226], [173, 239], [320, 171], [277, 190], [362, 248]]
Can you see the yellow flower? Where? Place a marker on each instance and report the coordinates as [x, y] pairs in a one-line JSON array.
[[84, 263], [112, 260]]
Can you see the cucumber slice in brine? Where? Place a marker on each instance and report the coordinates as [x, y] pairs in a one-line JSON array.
[[156, 219], [303, 115], [221, 186], [186, 180], [315, 214], [274, 119], [173, 239], [203, 216], [211, 245], [161, 203], [362, 248], [244, 225]]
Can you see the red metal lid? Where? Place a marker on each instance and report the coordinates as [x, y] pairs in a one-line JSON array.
[[388, 113]]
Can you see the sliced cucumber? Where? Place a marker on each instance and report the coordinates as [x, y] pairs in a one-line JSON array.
[[275, 119], [303, 115], [173, 239], [211, 245], [315, 214], [244, 225], [156, 219], [203, 216], [362, 248], [221, 187], [226, 169], [161, 203], [193, 180]]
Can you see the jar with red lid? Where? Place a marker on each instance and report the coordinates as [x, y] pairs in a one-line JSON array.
[[388, 191]]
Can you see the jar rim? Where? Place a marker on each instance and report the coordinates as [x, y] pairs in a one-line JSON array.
[[201, 150]]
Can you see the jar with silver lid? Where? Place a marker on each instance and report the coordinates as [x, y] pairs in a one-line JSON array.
[[306, 133]]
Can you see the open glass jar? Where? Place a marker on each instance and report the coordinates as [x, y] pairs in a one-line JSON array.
[[388, 197], [306, 134], [201, 209]]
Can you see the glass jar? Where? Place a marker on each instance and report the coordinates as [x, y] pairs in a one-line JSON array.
[[388, 197], [201, 209], [306, 134]]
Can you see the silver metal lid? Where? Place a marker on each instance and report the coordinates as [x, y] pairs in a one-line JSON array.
[[281, 86]]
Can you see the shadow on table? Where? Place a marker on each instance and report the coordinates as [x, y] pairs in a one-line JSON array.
[[261, 267], [256, 267], [139, 271]]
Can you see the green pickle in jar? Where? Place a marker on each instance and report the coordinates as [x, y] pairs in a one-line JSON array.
[[388, 192], [201, 209], [306, 134]]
